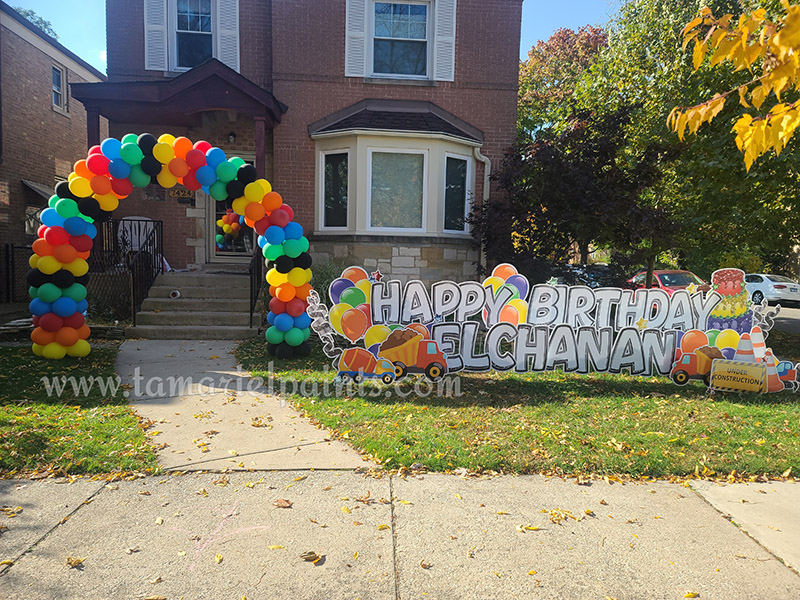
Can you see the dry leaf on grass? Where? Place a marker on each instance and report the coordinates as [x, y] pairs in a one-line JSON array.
[[283, 503]]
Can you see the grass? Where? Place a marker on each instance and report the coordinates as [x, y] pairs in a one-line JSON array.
[[74, 433], [555, 422]]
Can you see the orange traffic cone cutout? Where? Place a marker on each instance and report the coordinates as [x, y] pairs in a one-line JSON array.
[[744, 351], [774, 383], [759, 345]]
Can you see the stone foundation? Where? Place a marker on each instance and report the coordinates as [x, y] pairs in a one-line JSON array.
[[401, 258]]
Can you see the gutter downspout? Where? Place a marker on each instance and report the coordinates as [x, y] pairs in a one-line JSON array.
[[487, 173]]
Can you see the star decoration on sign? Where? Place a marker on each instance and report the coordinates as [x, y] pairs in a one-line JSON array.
[[438, 318], [552, 281], [641, 324], [376, 276], [691, 288]]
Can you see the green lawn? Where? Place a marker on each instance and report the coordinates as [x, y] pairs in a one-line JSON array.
[[73, 433], [558, 423]]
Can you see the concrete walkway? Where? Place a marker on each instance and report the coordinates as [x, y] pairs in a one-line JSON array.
[[213, 536], [208, 414]]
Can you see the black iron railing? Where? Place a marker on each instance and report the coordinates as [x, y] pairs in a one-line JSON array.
[[14, 266], [145, 265], [256, 279]]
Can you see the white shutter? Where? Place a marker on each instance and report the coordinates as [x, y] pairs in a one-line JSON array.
[[155, 35], [355, 55], [227, 32], [444, 41]]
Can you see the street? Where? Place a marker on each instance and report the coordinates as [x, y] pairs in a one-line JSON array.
[[788, 320]]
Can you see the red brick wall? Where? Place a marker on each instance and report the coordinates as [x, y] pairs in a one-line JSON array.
[[39, 143]]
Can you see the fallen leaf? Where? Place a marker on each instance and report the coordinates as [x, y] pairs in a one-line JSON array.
[[156, 580], [405, 502], [301, 478], [310, 556], [283, 503], [497, 574], [213, 357], [233, 453], [132, 550], [144, 493], [355, 555], [382, 526], [218, 558], [458, 496], [425, 565], [326, 488], [159, 521], [276, 547], [6, 562], [357, 523], [531, 572], [156, 598], [181, 552], [589, 512], [501, 512], [74, 563], [346, 510], [691, 595]]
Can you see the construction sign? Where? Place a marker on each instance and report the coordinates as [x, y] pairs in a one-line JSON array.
[[398, 329]]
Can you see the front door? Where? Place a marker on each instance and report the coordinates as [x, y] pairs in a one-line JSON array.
[[232, 240]]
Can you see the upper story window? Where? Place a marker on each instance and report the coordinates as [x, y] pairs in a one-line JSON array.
[[193, 37], [59, 87], [400, 40]]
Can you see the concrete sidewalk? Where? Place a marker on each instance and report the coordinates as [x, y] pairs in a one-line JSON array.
[[214, 536]]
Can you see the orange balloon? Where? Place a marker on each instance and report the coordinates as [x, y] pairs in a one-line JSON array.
[[42, 247], [42, 337], [101, 185], [65, 254], [285, 292], [273, 291], [82, 170], [303, 291], [235, 226], [420, 328], [355, 274], [504, 271], [84, 332], [509, 314], [84, 255], [271, 201], [354, 324], [66, 336], [179, 168], [254, 211], [181, 145], [692, 340], [249, 223]]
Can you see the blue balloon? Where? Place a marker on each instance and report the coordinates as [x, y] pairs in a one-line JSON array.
[[271, 318], [275, 235], [110, 148], [215, 156], [65, 307], [82, 306], [39, 307], [262, 241], [293, 231], [75, 226], [206, 175], [119, 169], [241, 220], [91, 230], [284, 322], [302, 321], [51, 218], [521, 283]]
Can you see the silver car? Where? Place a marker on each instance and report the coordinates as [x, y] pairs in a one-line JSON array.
[[775, 288]]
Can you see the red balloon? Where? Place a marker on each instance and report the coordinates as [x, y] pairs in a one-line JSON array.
[[81, 243], [75, 320], [190, 181], [195, 159], [276, 306], [288, 210], [279, 217], [35, 320], [51, 322], [366, 310], [56, 236], [94, 150], [178, 167], [121, 187], [203, 146], [98, 164], [262, 224], [41, 230], [296, 307]]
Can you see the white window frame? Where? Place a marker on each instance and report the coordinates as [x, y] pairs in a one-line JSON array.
[[321, 190], [63, 107], [172, 31], [429, 41], [469, 190], [425, 185]]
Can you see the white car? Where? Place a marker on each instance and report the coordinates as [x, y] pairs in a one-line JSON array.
[[775, 288]]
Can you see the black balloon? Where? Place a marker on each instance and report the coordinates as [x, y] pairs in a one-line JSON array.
[[83, 279], [284, 350], [146, 142], [303, 261], [271, 348], [63, 279], [151, 166], [247, 174], [103, 216], [284, 264], [62, 191], [303, 349], [235, 189], [89, 207], [36, 278]]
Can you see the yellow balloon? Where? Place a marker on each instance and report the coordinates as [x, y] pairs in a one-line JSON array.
[[80, 348], [108, 202], [297, 276], [166, 138], [376, 334], [728, 338], [309, 275], [78, 267], [365, 286], [253, 192], [72, 176], [49, 265], [276, 278], [37, 349], [495, 282], [220, 223], [239, 205], [163, 152], [165, 178], [81, 187], [265, 185], [335, 316], [33, 260], [226, 228], [522, 308], [54, 350]]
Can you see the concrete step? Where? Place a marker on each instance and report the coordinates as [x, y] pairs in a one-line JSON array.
[[187, 332], [196, 304], [239, 292], [200, 319], [178, 280]]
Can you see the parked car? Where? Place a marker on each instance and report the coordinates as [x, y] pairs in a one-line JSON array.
[[669, 280], [775, 288], [596, 275]]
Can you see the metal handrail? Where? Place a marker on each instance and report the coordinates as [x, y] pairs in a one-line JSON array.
[[145, 266], [256, 272]]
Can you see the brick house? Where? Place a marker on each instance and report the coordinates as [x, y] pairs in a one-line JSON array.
[[378, 122], [43, 130]]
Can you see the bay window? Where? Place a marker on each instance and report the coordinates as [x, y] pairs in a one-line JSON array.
[[334, 189], [396, 190]]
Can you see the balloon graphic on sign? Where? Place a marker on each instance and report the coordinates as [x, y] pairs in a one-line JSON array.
[[354, 324]]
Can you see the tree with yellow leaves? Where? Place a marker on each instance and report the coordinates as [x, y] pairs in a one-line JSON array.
[[754, 41]]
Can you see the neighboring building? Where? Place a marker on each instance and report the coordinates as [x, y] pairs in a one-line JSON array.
[[376, 121], [43, 130]]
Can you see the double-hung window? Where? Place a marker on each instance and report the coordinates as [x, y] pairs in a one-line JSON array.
[[193, 36], [397, 182], [456, 193], [401, 39], [59, 88], [334, 189]]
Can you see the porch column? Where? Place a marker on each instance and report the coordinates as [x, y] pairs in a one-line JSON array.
[[92, 126], [261, 159]]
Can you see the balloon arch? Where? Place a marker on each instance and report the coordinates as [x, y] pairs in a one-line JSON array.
[[59, 267]]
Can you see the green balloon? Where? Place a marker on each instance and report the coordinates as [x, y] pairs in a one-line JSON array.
[[304, 245], [292, 248], [294, 337], [274, 335], [86, 218], [226, 171], [237, 162], [138, 177], [393, 327], [273, 251], [306, 333], [218, 191], [76, 291], [712, 334], [53, 200], [49, 292], [129, 138], [513, 289], [353, 296], [67, 207], [33, 292], [220, 238], [131, 153]]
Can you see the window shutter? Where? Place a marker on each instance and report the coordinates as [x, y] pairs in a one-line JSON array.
[[228, 32], [155, 35], [355, 55], [444, 43]]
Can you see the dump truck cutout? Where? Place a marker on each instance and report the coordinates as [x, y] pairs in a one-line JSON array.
[[412, 353]]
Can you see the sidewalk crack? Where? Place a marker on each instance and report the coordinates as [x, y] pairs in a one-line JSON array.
[[394, 540]]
